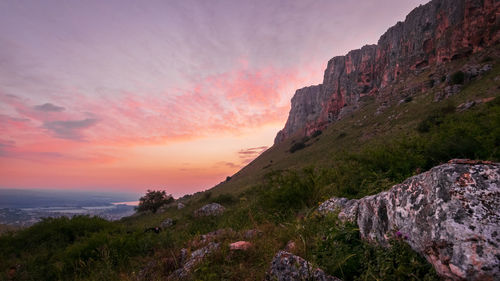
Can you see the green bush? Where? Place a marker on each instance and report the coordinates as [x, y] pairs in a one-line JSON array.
[[316, 133], [153, 200], [285, 192], [457, 78], [225, 199], [339, 250], [297, 146]]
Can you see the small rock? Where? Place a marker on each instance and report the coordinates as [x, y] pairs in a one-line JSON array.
[[448, 92], [290, 246], [466, 105], [347, 208], [196, 257], [289, 267], [168, 222], [180, 206], [184, 255], [240, 246], [212, 209], [211, 236], [249, 234]]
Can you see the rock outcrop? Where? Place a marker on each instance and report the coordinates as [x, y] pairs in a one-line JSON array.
[[195, 258], [212, 209], [435, 33], [450, 215], [289, 267]]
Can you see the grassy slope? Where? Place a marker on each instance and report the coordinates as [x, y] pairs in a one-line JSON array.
[[121, 250], [362, 128]]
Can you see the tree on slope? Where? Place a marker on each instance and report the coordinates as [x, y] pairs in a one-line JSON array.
[[153, 200]]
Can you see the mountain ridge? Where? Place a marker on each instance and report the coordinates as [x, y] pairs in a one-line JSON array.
[[432, 34]]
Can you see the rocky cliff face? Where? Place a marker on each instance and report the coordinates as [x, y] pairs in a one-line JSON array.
[[432, 34], [450, 215]]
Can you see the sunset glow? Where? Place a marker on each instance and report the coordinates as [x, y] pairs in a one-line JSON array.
[[127, 95]]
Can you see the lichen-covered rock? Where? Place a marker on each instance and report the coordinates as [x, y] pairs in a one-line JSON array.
[[450, 215], [289, 267], [212, 209], [195, 258], [347, 208]]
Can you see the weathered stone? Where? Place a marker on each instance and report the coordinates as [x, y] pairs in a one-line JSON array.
[[252, 233], [469, 104], [432, 34], [212, 209], [450, 215], [447, 92], [180, 206], [466, 106], [347, 209], [288, 267], [168, 222], [212, 236], [195, 258], [240, 246], [183, 255], [472, 71], [290, 246]]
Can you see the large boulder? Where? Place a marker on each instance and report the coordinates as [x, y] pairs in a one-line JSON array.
[[289, 267], [450, 215], [212, 209]]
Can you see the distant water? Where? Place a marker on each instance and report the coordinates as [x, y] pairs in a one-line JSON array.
[[26, 207], [36, 198], [128, 203]]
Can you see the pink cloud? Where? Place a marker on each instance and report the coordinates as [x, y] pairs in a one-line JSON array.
[[229, 102]]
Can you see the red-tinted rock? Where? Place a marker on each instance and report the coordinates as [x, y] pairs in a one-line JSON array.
[[435, 33], [240, 246]]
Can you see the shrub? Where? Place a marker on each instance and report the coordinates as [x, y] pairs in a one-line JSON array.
[[297, 146], [457, 78], [153, 200], [435, 118], [225, 199], [339, 250], [316, 133]]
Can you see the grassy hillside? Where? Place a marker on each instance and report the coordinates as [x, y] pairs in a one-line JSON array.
[[364, 128], [278, 193]]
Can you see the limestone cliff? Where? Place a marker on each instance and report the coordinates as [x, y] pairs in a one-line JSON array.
[[432, 34]]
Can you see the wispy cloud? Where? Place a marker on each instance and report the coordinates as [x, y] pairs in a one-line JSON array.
[[228, 164], [249, 154], [5, 147], [70, 129], [49, 107]]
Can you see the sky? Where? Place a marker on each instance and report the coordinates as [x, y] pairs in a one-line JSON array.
[[125, 95]]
